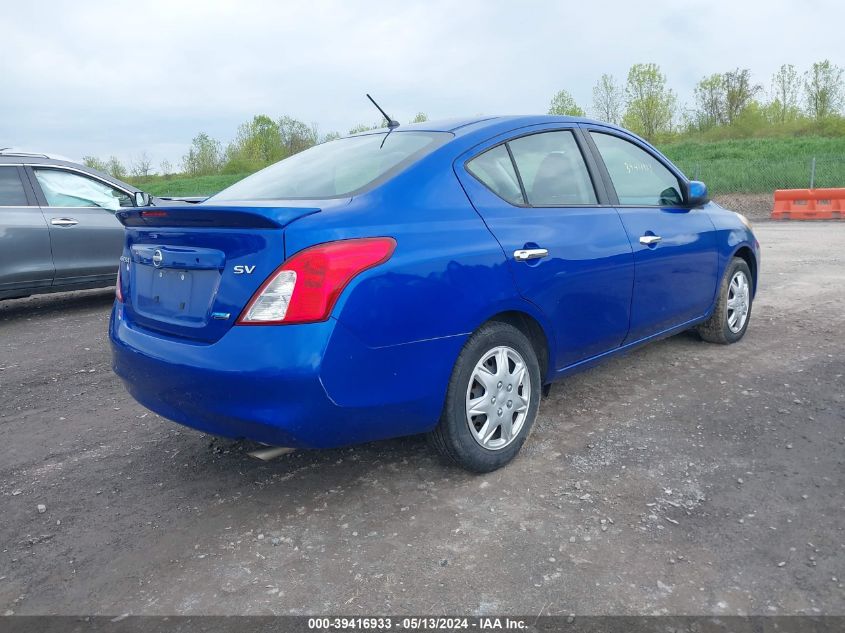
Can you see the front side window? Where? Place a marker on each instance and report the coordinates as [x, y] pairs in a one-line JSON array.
[[552, 169], [638, 177], [68, 189], [11, 188], [495, 169], [337, 168]]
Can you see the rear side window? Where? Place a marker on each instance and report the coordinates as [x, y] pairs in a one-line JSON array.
[[638, 177], [337, 168], [552, 169], [11, 188], [495, 169]]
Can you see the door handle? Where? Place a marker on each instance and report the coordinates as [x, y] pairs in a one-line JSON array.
[[529, 253], [650, 240], [63, 222]]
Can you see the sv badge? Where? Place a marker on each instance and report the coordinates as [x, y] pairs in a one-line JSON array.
[[244, 270]]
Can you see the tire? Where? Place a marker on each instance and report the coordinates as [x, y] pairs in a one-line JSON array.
[[726, 325], [490, 446]]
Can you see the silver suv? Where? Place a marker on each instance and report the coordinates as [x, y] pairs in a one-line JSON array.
[[58, 230]]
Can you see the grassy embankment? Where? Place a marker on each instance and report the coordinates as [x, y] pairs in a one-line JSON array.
[[755, 165], [761, 165], [182, 185]]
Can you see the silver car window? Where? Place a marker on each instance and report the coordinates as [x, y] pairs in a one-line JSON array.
[[68, 189], [11, 188]]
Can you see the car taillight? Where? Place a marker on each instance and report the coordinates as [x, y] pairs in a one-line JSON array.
[[118, 291], [305, 288]]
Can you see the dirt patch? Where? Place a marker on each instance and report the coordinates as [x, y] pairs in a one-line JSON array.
[[756, 206]]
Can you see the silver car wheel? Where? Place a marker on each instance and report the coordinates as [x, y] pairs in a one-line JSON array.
[[739, 301], [497, 398]]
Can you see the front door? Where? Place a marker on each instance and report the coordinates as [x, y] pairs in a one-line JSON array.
[[674, 244], [568, 254], [86, 237]]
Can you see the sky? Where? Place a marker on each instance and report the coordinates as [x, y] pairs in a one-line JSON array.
[[124, 77]]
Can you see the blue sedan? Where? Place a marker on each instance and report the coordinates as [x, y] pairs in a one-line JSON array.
[[434, 278]]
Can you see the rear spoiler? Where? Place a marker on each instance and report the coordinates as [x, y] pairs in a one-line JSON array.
[[195, 216]]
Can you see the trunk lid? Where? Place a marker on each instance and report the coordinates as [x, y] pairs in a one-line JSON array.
[[188, 271]]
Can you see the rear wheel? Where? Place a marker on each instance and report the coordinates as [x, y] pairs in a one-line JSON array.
[[729, 320], [492, 399]]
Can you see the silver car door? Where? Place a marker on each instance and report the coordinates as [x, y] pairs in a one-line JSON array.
[[25, 259], [86, 237]]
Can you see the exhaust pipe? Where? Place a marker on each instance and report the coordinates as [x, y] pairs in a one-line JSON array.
[[270, 453]]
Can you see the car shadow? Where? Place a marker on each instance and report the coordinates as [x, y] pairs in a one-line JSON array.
[[46, 305], [223, 466], [232, 490]]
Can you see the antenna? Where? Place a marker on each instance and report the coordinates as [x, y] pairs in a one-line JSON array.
[[391, 123]]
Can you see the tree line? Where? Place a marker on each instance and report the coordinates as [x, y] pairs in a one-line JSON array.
[[725, 105], [259, 142]]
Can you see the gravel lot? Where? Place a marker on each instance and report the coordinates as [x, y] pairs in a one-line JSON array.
[[684, 478]]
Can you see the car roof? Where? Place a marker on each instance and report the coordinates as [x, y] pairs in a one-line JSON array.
[[462, 126], [480, 128], [23, 153], [40, 158], [14, 157]]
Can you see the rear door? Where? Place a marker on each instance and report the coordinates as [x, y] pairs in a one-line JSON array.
[[566, 248], [86, 237], [25, 259], [674, 244]]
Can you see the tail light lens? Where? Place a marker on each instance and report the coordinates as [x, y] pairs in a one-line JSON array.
[[305, 288], [118, 291]]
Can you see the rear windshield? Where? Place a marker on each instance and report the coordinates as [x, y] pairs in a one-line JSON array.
[[337, 168]]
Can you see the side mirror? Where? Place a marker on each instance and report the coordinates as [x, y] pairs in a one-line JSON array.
[[142, 199], [697, 193]]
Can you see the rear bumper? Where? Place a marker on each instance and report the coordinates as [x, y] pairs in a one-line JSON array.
[[305, 386]]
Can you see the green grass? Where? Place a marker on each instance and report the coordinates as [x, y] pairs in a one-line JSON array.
[[757, 149], [759, 165], [179, 185], [754, 165]]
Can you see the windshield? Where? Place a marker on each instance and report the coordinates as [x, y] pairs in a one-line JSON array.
[[337, 168]]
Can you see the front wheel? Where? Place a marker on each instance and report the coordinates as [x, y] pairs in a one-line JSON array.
[[492, 399], [729, 320]]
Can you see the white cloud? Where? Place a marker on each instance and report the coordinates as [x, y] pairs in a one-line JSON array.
[[121, 77]]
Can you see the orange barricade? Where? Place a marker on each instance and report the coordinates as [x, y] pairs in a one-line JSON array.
[[809, 204]]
